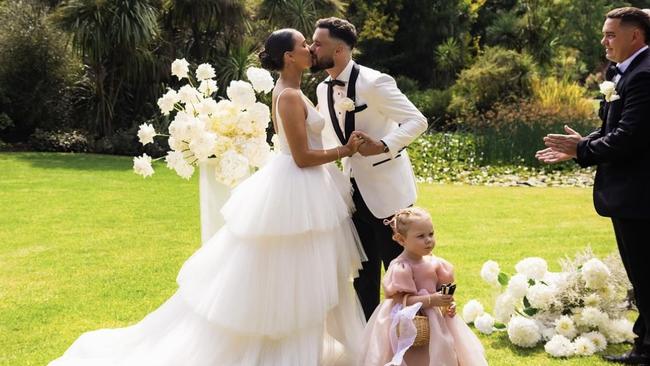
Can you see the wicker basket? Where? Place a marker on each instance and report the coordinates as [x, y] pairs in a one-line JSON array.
[[421, 323]]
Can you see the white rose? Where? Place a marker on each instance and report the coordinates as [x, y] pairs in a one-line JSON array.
[[518, 286], [564, 326], [207, 87], [533, 267], [597, 339], [142, 165], [241, 93], [523, 332], [261, 79], [583, 346], [146, 132], [180, 68], [167, 102], [490, 272], [205, 72], [345, 104], [559, 346], [595, 273], [484, 323], [608, 89], [540, 296], [471, 310]]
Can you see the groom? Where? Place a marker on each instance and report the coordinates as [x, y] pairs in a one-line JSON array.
[[356, 98], [621, 150]]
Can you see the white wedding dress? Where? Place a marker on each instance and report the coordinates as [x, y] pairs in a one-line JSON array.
[[272, 287]]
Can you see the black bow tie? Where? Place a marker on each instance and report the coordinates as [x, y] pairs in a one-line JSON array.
[[612, 71], [335, 82]]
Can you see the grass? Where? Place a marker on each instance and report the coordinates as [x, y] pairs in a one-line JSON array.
[[86, 244]]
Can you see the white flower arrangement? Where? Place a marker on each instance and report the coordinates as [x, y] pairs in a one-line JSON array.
[[575, 312], [608, 89], [232, 130]]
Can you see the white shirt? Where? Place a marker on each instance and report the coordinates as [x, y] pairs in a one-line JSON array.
[[341, 92], [625, 64]]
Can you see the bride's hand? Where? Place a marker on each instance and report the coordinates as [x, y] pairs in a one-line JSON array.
[[353, 144]]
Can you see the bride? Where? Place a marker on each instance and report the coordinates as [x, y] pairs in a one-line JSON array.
[[273, 285]]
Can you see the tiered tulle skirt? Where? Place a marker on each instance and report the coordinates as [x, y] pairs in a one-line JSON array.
[[272, 287]]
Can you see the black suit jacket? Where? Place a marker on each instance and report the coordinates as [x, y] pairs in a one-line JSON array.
[[621, 147]]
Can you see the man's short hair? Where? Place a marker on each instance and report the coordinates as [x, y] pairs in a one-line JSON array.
[[633, 16], [339, 29]]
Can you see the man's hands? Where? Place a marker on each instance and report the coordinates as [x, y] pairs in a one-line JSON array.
[[369, 146], [560, 147]]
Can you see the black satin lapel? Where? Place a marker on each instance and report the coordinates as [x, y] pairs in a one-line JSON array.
[[335, 120], [352, 93]]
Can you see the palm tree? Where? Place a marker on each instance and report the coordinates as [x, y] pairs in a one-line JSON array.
[[114, 39], [299, 14]]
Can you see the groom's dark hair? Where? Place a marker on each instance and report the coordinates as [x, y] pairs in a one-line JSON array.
[[339, 29], [633, 16]]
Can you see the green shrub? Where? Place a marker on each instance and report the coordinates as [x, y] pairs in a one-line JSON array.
[[406, 84], [437, 154], [498, 75], [60, 141], [433, 103]]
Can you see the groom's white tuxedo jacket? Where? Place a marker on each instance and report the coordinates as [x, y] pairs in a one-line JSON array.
[[386, 181]]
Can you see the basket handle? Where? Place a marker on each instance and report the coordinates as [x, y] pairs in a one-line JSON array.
[[406, 296]]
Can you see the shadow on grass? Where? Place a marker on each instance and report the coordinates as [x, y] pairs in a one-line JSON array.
[[73, 161]]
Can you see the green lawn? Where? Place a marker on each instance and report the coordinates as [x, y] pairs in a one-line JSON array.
[[86, 244]]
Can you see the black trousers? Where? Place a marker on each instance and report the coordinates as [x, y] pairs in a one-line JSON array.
[[377, 242], [633, 239]]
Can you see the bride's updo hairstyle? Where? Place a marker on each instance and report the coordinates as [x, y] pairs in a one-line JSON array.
[[279, 42]]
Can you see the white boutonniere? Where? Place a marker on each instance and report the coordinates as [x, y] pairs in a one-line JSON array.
[[345, 104], [608, 89]]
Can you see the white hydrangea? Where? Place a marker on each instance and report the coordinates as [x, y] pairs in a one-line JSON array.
[[504, 307], [261, 114], [518, 286], [595, 274], [559, 346], [565, 326], [257, 151], [146, 133], [523, 332], [472, 310], [208, 87], [490, 272], [168, 101], [207, 107], [241, 93], [618, 331], [540, 296], [548, 333], [261, 79], [142, 165], [583, 346], [205, 72], [203, 146], [180, 68], [533, 267], [484, 323], [592, 317], [189, 96], [185, 171], [232, 168], [174, 158], [597, 339]]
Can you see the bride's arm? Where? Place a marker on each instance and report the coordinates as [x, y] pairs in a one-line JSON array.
[[293, 114]]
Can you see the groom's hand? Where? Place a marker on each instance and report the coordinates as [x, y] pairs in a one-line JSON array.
[[369, 146], [564, 144], [550, 156]]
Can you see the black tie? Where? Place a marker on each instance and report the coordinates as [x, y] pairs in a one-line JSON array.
[[612, 71], [335, 82]]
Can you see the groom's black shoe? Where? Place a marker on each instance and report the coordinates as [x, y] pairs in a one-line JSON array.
[[632, 357]]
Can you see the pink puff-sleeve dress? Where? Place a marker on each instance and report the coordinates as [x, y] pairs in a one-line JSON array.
[[451, 342]]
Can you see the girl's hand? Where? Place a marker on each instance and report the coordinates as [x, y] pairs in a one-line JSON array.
[[451, 310], [439, 299]]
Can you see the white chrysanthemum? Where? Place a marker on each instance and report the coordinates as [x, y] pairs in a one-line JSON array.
[[232, 168], [592, 300], [203, 146], [490, 272], [597, 339], [257, 151], [533, 267], [559, 346], [146, 132], [540, 296], [504, 307], [142, 165], [583, 346], [205, 72], [548, 333], [185, 171], [484, 323], [174, 158], [261, 79], [518, 286], [208, 87], [189, 96], [241, 93], [564, 326], [167, 102], [471, 310], [523, 332], [595, 273], [592, 317], [180, 68], [618, 331]]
